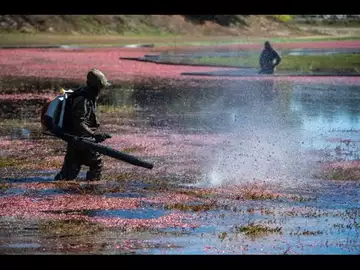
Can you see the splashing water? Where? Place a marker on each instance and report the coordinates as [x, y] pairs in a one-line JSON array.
[[266, 144]]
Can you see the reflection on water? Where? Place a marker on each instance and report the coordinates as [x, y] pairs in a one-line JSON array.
[[20, 133], [189, 109], [330, 114]]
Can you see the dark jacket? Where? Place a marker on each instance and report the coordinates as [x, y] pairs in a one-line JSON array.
[[267, 57], [80, 113]]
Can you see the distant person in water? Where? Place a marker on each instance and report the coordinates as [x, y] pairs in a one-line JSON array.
[[269, 59]]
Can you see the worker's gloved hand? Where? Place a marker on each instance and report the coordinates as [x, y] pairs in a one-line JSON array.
[[100, 137]]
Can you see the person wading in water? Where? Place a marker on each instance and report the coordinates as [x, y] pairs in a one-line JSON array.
[[269, 59]]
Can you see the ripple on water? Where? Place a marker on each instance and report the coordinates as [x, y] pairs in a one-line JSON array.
[[22, 245], [125, 195], [30, 179], [148, 213]]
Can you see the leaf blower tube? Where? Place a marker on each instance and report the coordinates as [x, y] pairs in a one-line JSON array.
[[105, 150]]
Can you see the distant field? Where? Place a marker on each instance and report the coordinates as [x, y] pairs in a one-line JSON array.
[[160, 40]]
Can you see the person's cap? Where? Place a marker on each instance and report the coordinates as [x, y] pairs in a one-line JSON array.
[[96, 77]]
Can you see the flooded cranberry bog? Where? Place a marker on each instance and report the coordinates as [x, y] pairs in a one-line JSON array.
[[242, 165]]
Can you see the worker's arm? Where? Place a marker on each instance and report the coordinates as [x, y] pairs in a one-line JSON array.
[[277, 58], [80, 124]]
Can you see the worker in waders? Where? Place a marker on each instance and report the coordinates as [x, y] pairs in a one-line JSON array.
[[81, 120], [269, 59]]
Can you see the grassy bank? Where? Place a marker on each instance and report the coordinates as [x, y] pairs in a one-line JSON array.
[[305, 63], [232, 40], [21, 39]]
